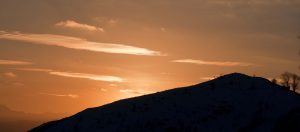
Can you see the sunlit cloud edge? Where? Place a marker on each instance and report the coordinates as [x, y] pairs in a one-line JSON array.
[[78, 43], [213, 63]]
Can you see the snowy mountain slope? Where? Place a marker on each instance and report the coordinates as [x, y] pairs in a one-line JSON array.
[[231, 103]]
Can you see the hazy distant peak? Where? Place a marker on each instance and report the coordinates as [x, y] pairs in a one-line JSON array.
[[4, 108]]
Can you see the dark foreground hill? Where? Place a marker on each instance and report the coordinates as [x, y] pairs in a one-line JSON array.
[[231, 103]]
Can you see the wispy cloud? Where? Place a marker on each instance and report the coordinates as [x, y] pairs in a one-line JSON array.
[[33, 69], [77, 43], [10, 74], [163, 29], [103, 90], [88, 76], [207, 78], [61, 95], [76, 75], [133, 91], [106, 21], [18, 84], [76, 25], [253, 2], [213, 63], [14, 62]]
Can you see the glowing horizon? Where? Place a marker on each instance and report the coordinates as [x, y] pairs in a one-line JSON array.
[[62, 59]]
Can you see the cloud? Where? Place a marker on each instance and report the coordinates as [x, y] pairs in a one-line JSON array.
[[33, 69], [10, 74], [113, 85], [213, 63], [132, 91], [163, 29], [112, 21], [103, 89], [62, 95], [88, 76], [77, 43], [231, 3], [18, 84], [75, 75], [107, 21], [76, 25], [14, 62], [207, 78]]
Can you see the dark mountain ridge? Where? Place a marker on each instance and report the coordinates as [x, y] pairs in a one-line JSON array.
[[233, 103]]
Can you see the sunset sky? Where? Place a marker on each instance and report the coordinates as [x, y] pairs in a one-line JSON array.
[[67, 55]]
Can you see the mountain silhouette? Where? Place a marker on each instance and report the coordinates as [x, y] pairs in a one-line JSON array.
[[230, 103]]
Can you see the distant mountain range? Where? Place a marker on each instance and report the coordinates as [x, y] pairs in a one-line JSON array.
[[230, 103], [15, 121]]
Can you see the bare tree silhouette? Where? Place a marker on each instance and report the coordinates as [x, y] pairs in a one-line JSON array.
[[274, 80], [286, 79], [299, 52], [295, 79], [290, 80]]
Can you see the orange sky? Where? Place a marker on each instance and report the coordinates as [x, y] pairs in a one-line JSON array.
[[67, 55]]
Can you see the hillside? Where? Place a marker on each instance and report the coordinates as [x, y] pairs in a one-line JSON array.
[[231, 103]]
